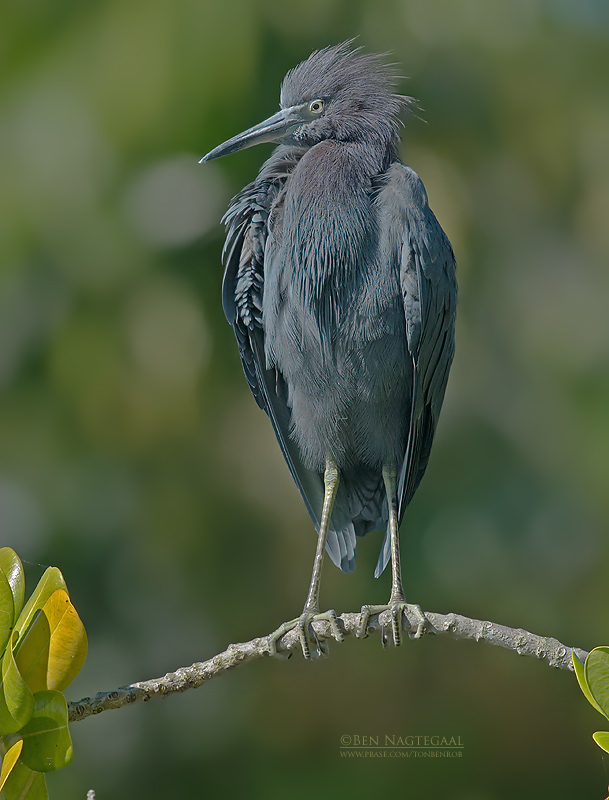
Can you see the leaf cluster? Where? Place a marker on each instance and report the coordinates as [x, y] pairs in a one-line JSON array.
[[593, 678], [43, 646]]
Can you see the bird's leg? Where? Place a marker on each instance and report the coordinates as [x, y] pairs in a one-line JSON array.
[[312, 647], [397, 602]]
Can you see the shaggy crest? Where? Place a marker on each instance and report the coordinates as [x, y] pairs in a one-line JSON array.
[[358, 81]]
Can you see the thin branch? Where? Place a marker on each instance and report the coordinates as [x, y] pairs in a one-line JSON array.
[[520, 641]]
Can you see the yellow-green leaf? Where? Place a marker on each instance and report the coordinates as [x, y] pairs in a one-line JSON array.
[[596, 671], [49, 583], [9, 760], [46, 739], [53, 649], [68, 641], [580, 674], [16, 700], [32, 653], [12, 569], [7, 612], [602, 740], [24, 784]]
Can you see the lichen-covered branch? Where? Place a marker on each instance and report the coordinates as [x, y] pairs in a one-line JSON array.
[[516, 639]]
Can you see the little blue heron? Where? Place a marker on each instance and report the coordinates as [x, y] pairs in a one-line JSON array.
[[340, 286]]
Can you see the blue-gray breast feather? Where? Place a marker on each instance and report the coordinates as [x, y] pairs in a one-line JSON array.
[[247, 224]]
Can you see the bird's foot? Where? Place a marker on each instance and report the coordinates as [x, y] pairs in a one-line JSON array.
[[396, 609], [312, 645]]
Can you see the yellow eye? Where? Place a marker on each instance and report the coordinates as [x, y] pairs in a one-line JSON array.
[[316, 106]]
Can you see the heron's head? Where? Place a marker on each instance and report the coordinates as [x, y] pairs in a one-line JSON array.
[[338, 93]]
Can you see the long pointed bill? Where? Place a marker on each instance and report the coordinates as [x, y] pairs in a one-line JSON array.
[[274, 129]]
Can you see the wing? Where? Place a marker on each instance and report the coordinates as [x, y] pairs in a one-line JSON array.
[[429, 290], [247, 223]]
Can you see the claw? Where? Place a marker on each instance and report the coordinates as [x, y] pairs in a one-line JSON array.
[[396, 610], [365, 614], [311, 644]]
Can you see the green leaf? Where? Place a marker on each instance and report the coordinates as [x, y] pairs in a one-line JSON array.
[[12, 587], [9, 760], [596, 672], [580, 674], [16, 700], [46, 739], [24, 784], [602, 740], [49, 583], [54, 648], [12, 569], [32, 653], [7, 612]]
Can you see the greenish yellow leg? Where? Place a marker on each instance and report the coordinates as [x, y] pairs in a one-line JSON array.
[[397, 603], [312, 646]]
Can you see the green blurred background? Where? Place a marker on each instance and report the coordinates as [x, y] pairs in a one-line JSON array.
[[133, 457]]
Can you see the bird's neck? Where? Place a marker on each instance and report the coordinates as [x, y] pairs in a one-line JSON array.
[[328, 212], [335, 172]]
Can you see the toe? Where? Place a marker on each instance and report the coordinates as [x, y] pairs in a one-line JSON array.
[[396, 625]]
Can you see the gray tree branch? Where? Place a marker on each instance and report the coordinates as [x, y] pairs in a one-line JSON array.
[[520, 641]]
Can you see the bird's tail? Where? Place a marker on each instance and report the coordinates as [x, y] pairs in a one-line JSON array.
[[360, 507]]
